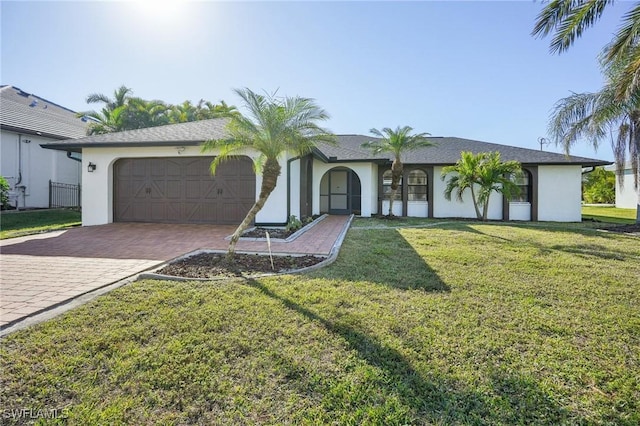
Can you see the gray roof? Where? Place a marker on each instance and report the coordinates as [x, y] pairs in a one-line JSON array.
[[27, 113], [191, 133], [446, 151]]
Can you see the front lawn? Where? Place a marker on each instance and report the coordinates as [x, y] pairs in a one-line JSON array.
[[462, 323], [609, 214], [17, 224]]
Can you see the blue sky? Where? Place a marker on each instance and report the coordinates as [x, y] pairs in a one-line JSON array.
[[466, 69]]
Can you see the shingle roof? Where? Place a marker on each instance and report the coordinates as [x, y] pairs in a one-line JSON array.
[[447, 149], [27, 113], [191, 133]]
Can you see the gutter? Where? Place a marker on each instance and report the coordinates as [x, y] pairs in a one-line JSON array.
[[73, 158]]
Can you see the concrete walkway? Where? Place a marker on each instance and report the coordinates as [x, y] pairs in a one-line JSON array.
[[40, 272]]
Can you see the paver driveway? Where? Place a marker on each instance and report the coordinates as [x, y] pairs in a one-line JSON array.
[[42, 271]]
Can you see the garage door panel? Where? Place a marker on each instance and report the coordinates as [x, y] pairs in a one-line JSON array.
[[182, 190], [174, 189], [138, 168]]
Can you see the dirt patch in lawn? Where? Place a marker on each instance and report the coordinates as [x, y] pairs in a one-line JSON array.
[[214, 265]]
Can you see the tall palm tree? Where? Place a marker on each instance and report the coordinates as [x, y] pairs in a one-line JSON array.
[[567, 19], [597, 116], [484, 172], [396, 142], [272, 127]]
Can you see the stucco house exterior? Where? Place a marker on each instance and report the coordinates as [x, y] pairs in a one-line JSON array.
[[26, 122], [627, 195], [159, 174]]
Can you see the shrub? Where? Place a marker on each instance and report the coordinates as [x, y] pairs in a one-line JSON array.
[[294, 223], [599, 186], [4, 193]]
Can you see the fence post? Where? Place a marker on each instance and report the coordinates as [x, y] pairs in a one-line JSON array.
[[50, 193], [78, 202]]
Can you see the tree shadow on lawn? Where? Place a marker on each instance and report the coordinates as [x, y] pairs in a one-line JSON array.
[[510, 399], [582, 250], [382, 256]]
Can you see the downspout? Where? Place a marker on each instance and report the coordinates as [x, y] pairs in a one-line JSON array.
[[17, 185], [19, 160], [289, 161]]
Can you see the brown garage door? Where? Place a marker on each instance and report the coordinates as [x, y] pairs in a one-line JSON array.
[[182, 190]]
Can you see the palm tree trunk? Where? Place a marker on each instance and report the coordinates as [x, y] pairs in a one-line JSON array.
[[392, 197], [475, 203], [396, 175], [485, 209], [270, 174]]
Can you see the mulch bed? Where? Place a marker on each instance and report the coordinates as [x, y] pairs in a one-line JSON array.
[[273, 233], [623, 229], [214, 265]]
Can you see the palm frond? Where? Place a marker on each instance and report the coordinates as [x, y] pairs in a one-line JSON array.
[[567, 19]]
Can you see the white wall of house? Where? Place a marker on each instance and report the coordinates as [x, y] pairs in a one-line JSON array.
[[559, 193], [368, 174], [28, 168], [454, 208], [397, 206], [97, 193], [520, 211], [417, 208], [627, 196]]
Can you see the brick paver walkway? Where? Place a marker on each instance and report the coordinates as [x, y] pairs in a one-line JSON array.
[[41, 271]]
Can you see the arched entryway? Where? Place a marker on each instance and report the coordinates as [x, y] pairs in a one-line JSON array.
[[340, 192]]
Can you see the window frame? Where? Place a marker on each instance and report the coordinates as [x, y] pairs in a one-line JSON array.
[[386, 187], [526, 189], [424, 185]]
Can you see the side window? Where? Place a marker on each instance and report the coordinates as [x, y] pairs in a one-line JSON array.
[[386, 186], [524, 183], [417, 186]]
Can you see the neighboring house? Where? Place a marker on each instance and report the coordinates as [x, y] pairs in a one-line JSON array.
[[627, 195], [26, 122], [160, 175]]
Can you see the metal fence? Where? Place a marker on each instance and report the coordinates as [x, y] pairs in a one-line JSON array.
[[64, 195]]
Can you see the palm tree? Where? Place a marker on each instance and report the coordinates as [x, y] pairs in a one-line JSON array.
[[273, 127], [206, 110], [396, 142], [567, 19], [597, 116], [120, 97], [487, 172], [105, 121]]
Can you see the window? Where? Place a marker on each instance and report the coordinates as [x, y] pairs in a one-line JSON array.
[[524, 183], [386, 187], [417, 185]]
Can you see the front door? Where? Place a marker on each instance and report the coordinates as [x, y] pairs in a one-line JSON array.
[[340, 192]]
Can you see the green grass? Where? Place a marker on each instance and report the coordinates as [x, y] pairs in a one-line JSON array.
[[17, 224], [609, 214], [464, 323]]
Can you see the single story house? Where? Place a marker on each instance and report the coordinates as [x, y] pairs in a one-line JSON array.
[[159, 174], [26, 122], [627, 195]]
